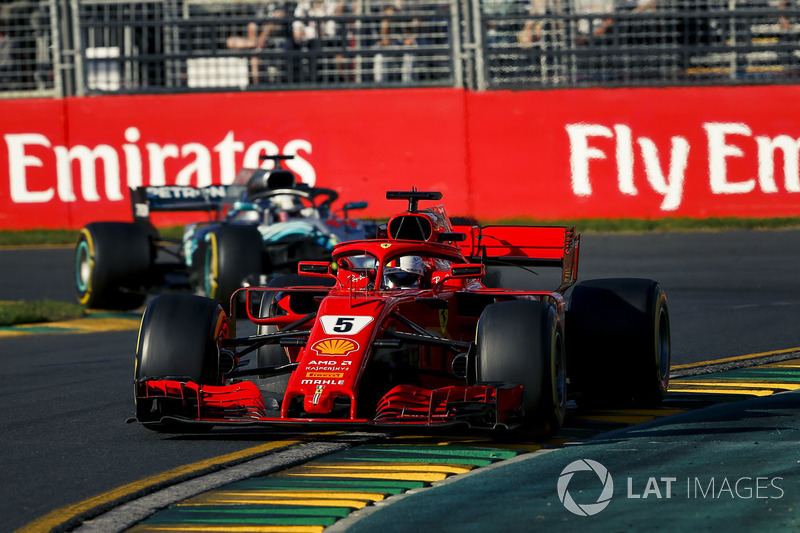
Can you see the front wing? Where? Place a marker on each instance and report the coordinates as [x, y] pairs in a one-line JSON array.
[[485, 406]]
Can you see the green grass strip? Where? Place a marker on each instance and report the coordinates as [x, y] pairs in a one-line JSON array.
[[37, 311], [39, 237]]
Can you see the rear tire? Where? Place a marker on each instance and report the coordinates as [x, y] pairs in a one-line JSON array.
[[233, 253], [522, 341], [112, 260], [618, 337], [178, 340]]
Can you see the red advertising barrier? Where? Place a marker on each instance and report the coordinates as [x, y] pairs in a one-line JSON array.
[[693, 152]]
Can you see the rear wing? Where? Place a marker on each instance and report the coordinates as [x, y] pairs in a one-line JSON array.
[[176, 198], [537, 246]]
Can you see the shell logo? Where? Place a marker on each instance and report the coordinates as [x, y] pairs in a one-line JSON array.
[[335, 346]]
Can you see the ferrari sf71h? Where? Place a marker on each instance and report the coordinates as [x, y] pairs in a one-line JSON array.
[[403, 331]]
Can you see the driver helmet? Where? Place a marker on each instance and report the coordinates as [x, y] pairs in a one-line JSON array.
[[281, 208], [407, 274]]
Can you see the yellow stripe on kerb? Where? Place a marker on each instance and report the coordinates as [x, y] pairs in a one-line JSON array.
[[768, 385], [228, 495], [737, 358], [355, 504], [55, 518], [748, 392]]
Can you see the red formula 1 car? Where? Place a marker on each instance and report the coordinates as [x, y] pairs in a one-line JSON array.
[[403, 331]]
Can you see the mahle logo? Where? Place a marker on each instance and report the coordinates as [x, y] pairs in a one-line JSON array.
[[587, 509]]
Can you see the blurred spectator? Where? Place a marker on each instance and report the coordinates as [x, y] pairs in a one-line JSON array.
[[531, 31], [597, 27], [787, 36], [401, 35], [275, 36], [384, 66], [6, 60], [412, 38], [594, 26], [784, 22], [312, 36]]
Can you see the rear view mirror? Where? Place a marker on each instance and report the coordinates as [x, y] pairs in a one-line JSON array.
[[467, 270], [354, 205], [315, 268]]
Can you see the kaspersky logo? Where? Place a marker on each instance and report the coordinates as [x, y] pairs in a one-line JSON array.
[[585, 509], [334, 346]]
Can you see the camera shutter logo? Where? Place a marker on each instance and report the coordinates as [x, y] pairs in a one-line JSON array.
[[587, 509]]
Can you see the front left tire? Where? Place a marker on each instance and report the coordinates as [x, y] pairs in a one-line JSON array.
[[522, 341], [178, 340]]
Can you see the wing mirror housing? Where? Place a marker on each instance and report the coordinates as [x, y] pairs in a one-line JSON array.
[[317, 269], [467, 270], [354, 205]]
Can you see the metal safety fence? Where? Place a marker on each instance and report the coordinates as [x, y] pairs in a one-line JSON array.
[[78, 47], [548, 43]]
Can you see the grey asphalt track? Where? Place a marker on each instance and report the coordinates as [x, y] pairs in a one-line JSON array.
[[66, 397]]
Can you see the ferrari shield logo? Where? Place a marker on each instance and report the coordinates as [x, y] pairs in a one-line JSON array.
[[443, 321], [317, 394]]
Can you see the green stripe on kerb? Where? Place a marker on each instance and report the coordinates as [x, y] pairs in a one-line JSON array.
[[421, 460], [487, 453], [290, 521]]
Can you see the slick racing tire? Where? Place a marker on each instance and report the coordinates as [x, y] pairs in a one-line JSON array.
[[112, 260], [178, 340], [274, 354], [522, 341], [618, 338], [232, 254]]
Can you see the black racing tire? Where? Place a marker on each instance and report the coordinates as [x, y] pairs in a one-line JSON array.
[[522, 341], [178, 340], [618, 340], [232, 254], [274, 354], [112, 260]]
